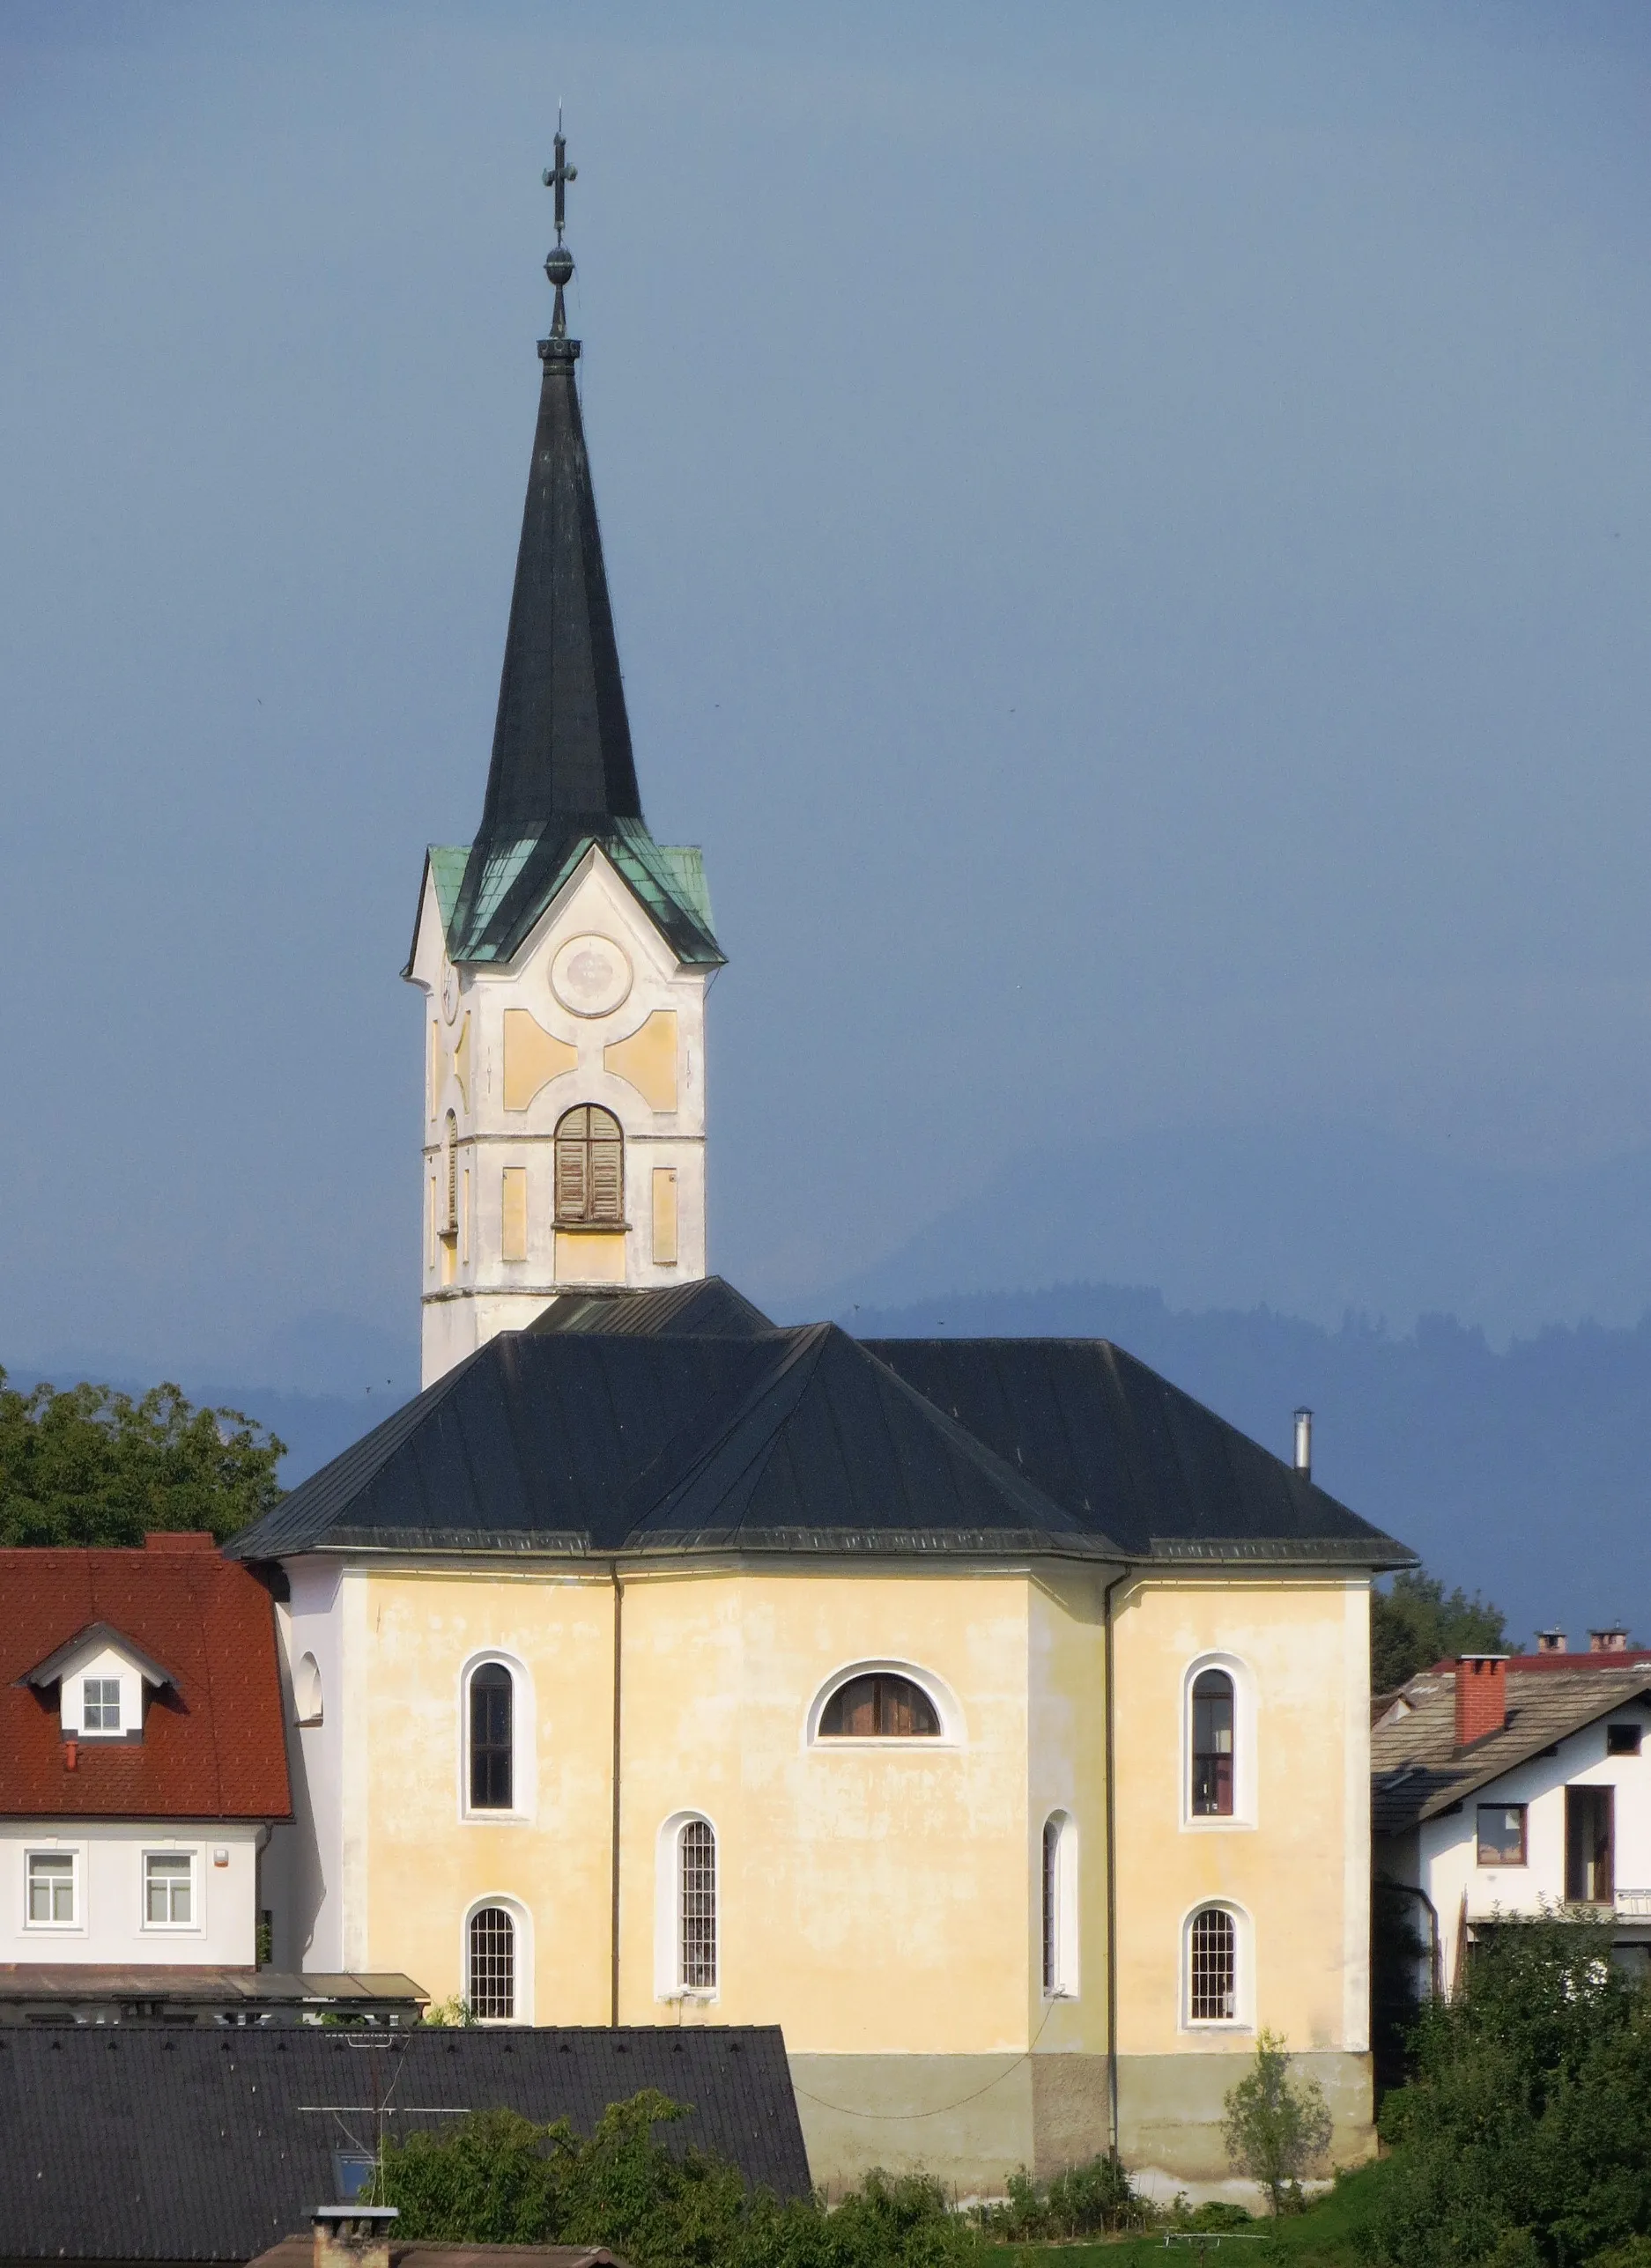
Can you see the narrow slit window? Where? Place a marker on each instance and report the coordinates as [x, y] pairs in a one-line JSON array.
[[491, 1991], [492, 1739], [1212, 1968], [450, 1224], [589, 1168], [1212, 1714], [1051, 1906], [696, 1906]]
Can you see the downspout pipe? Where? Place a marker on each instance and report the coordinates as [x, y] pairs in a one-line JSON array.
[[1123, 1576], [613, 1871]]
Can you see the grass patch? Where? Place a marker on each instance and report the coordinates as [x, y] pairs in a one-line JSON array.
[[1327, 2233]]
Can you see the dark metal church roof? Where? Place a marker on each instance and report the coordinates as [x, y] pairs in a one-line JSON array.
[[130, 2143], [683, 1420], [563, 777]]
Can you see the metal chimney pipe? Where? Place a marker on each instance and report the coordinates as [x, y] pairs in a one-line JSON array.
[[1304, 1443]]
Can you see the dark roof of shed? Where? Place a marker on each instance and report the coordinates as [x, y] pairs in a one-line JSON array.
[[1417, 1769], [131, 2144], [683, 1419]]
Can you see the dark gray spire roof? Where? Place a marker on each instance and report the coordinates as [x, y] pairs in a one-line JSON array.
[[563, 776]]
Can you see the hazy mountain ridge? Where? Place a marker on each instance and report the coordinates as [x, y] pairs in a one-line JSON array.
[[1522, 1472]]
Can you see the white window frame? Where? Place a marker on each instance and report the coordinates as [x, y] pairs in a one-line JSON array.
[[942, 1699], [197, 1925], [76, 1927], [1244, 1813], [308, 1691], [668, 1963], [1243, 2016], [1063, 1985], [90, 1731], [524, 1782], [521, 1921]]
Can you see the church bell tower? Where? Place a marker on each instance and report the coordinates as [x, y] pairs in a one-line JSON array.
[[564, 956]]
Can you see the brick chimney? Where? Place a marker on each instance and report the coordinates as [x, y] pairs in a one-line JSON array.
[[353, 2235], [1551, 1642], [180, 1539], [1481, 1696], [1611, 1640]]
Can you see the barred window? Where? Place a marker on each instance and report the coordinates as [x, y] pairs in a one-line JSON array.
[[1213, 1970], [696, 1906], [590, 1166], [1212, 1744], [492, 1983], [879, 1707], [491, 1738]]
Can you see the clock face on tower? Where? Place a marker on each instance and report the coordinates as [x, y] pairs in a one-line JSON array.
[[591, 976], [450, 992]]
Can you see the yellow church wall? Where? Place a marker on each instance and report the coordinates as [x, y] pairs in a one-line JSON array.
[[1296, 1869], [1067, 1773], [427, 1863]]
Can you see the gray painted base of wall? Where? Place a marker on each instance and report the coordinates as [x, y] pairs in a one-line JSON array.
[[974, 2120]]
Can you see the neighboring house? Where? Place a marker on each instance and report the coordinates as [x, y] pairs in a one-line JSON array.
[[143, 1761], [144, 2145], [1508, 1785]]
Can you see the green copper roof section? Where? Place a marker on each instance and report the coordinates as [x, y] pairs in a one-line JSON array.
[[447, 871], [519, 879]]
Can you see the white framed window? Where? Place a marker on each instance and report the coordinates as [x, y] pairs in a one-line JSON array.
[[490, 1965], [498, 1779], [52, 1893], [883, 1705], [1217, 1984], [687, 1922], [170, 1901], [1217, 1744], [307, 1690], [101, 1704], [1058, 1906]]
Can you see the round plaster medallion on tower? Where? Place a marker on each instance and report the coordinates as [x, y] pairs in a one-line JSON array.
[[591, 976], [450, 992]]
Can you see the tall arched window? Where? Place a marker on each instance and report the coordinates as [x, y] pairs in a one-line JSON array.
[[696, 1906], [307, 1689], [879, 1706], [1060, 1907], [590, 1166], [450, 1222], [1212, 1717], [492, 1743], [1213, 1967], [491, 1984]]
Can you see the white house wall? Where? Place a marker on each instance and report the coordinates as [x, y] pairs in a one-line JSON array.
[[109, 1924]]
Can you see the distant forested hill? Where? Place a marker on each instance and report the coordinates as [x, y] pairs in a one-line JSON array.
[[1526, 1473]]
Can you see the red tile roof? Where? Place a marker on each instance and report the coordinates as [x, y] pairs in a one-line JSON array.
[[214, 1745]]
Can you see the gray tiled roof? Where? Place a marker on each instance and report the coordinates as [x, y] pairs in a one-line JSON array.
[[1417, 1769], [131, 2144]]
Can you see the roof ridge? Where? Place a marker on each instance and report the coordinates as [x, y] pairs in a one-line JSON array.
[[801, 1353]]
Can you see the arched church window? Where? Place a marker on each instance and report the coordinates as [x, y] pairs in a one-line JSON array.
[[491, 1963], [450, 1227], [590, 1166], [1213, 1967], [879, 1706], [492, 1741], [1212, 1744]]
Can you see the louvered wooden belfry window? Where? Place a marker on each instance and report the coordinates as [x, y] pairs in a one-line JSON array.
[[589, 1167], [879, 1707], [450, 1225]]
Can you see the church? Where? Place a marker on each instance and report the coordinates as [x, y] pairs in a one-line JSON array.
[[989, 1715]]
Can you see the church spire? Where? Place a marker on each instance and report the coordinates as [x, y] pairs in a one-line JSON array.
[[562, 742]]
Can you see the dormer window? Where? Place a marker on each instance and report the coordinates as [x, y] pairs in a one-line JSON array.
[[100, 1707], [100, 1678]]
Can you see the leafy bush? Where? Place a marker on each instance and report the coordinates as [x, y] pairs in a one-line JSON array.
[[498, 2178], [1096, 2199], [1521, 2141]]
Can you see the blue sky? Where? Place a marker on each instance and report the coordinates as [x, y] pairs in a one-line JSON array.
[[1129, 530]]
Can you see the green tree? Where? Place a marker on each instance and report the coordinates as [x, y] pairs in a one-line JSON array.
[[1522, 2137], [1415, 1624], [1276, 2128], [87, 1466]]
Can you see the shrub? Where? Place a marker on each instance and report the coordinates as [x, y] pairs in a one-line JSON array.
[[1095, 2199], [1277, 2128]]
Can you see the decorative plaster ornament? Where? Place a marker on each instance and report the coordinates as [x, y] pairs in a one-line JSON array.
[[591, 976], [450, 992]]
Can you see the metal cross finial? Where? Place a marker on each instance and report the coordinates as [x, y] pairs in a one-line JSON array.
[[558, 266]]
